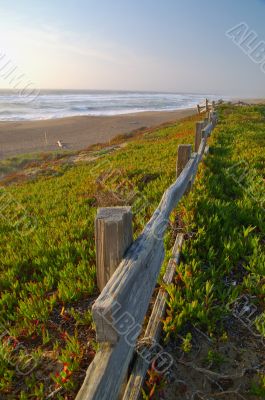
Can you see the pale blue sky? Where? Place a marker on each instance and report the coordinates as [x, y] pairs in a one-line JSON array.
[[160, 45]]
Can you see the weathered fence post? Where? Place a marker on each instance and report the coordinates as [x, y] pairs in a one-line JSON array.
[[213, 118], [207, 105], [114, 234], [184, 154], [204, 134], [198, 108], [198, 135]]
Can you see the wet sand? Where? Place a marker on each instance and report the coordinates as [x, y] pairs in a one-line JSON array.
[[76, 133]]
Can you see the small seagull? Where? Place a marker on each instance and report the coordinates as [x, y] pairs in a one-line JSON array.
[[60, 144]]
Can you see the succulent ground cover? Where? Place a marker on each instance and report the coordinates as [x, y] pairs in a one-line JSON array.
[[47, 252], [214, 327], [215, 324]]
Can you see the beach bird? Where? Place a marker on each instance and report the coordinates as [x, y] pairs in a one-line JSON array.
[[60, 144]]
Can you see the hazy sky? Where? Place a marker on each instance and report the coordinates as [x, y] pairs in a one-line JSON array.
[[160, 45]]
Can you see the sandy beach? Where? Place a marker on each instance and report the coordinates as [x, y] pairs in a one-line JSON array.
[[76, 133]]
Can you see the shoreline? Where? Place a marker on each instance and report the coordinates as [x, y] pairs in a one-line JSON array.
[[77, 133]]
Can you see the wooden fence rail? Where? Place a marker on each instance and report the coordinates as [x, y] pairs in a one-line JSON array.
[[206, 108], [120, 309]]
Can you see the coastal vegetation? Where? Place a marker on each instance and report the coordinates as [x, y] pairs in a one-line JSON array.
[[47, 272], [48, 253], [215, 313]]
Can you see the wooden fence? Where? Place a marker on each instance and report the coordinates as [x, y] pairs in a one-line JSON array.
[[127, 274], [207, 107]]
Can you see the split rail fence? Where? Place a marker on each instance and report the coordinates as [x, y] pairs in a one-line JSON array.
[[127, 273], [207, 107]]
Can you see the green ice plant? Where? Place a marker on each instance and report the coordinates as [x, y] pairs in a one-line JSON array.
[[54, 268], [225, 256]]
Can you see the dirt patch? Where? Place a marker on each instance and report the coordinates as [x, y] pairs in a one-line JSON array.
[[228, 368]]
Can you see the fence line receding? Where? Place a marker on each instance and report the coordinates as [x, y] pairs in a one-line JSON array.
[[129, 270]]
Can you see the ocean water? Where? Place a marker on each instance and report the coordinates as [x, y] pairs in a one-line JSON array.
[[16, 106]]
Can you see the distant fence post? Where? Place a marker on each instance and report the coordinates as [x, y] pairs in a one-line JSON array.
[[198, 135], [207, 105], [114, 234], [213, 118], [184, 154], [204, 134]]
